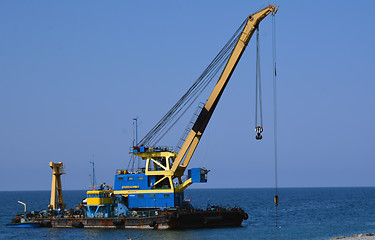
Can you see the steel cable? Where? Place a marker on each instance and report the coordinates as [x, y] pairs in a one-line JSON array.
[[275, 107], [258, 86]]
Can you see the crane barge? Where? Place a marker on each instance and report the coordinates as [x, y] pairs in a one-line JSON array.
[[153, 197]]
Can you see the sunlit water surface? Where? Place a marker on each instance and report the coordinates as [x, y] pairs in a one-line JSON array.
[[303, 213]]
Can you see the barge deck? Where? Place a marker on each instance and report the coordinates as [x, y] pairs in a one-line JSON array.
[[178, 219]]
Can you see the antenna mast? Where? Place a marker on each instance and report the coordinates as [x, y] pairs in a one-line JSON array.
[[93, 171]]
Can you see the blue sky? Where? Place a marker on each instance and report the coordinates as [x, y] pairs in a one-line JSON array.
[[73, 74]]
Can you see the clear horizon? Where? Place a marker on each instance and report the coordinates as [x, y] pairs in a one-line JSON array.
[[41, 190]]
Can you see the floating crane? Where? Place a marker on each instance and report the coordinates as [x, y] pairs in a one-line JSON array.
[[153, 197]]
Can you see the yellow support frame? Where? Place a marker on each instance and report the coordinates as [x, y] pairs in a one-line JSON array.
[[156, 159], [56, 188]]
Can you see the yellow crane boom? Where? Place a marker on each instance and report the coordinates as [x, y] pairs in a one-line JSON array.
[[188, 148]]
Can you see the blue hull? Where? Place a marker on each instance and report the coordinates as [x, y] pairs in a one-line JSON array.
[[24, 225]]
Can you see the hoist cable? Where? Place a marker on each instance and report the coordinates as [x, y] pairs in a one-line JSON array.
[[256, 82], [275, 107], [258, 86]]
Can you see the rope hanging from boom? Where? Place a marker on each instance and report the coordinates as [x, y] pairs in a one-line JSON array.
[[276, 199], [258, 92]]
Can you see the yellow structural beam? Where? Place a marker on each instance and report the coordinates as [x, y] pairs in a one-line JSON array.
[[183, 185], [127, 192], [160, 172], [145, 155]]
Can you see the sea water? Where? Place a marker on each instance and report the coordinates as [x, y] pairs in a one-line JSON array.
[[303, 213]]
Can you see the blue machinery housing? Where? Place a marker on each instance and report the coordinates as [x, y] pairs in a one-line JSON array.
[[154, 186], [145, 196]]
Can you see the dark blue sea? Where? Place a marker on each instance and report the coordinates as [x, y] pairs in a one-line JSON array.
[[303, 213]]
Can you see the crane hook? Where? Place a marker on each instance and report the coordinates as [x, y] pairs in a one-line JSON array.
[[258, 130]]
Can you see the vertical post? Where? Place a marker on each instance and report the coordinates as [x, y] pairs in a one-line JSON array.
[[136, 130], [135, 120]]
